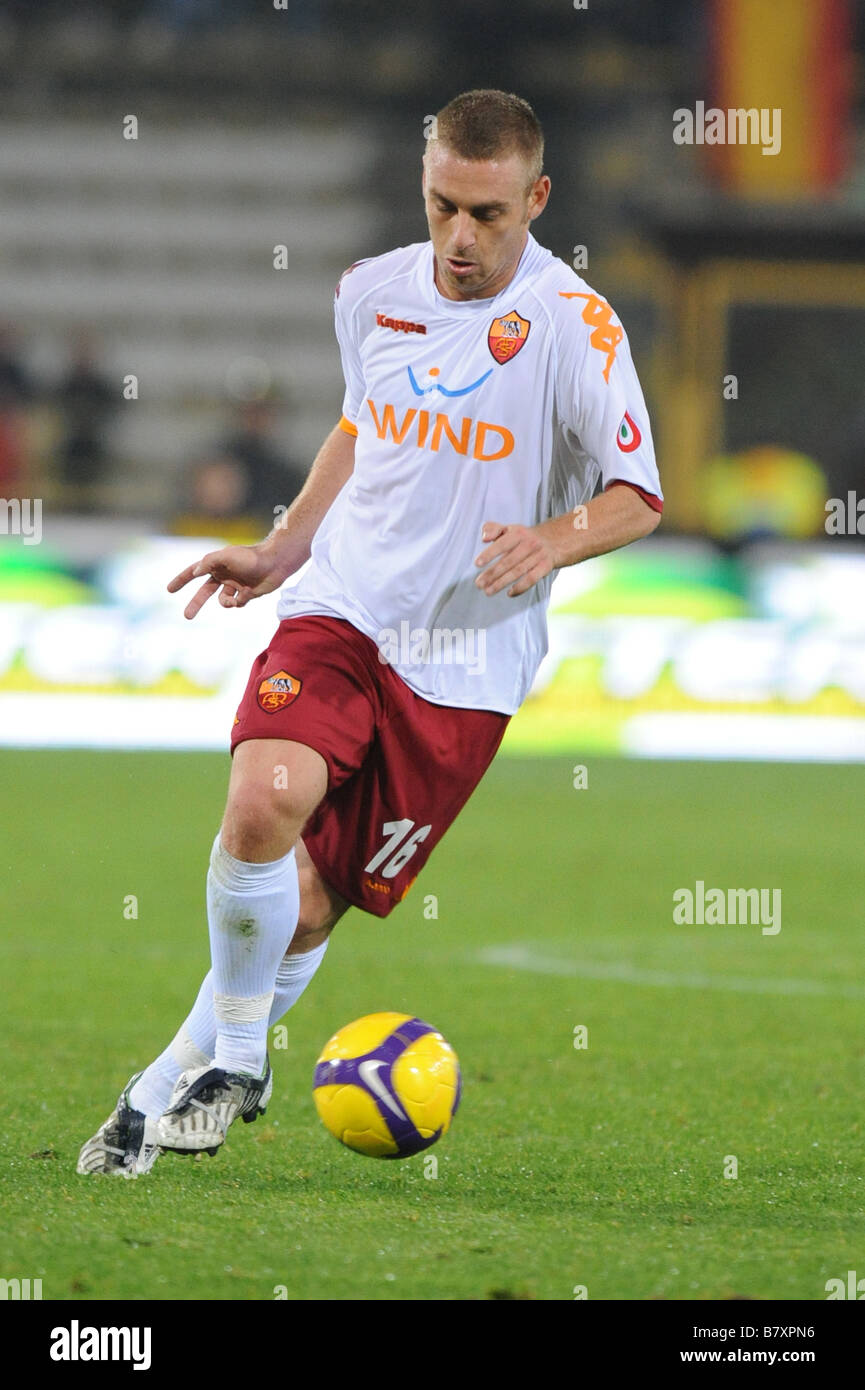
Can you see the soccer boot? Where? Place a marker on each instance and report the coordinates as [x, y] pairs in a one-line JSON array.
[[205, 1102], [126, 1145]]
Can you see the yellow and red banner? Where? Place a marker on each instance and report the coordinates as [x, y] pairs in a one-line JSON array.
[[792, 57]]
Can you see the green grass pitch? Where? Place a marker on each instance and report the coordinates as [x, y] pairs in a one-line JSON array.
[[601, 1166]]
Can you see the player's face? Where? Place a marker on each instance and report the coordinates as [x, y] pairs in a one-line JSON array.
[[478, 213]]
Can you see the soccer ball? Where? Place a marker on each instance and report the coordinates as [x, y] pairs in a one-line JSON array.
[[387, 1085]]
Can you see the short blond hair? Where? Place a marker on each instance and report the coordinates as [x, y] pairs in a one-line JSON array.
[[489, 124]]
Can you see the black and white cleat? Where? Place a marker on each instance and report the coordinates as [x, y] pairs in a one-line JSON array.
[[125, 1145], [205, 1102]]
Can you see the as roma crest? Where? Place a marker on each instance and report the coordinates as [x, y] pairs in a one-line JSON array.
[[277, 691], [507, 336]]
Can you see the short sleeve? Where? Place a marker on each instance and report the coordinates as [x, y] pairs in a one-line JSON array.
[[600, 399], [352, 369]]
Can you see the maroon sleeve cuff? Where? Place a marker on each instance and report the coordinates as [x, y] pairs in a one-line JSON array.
[[656, 503]]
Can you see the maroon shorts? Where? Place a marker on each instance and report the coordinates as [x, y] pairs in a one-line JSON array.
[[399, 767]]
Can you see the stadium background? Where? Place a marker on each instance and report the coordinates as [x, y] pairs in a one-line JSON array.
[[302, 128], [163, 386]]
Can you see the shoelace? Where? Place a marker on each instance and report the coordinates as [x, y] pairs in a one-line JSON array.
[[199, 1105]]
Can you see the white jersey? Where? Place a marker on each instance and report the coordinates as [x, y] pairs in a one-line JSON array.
[[510, 410]]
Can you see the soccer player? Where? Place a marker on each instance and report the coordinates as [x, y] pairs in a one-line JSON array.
[[493, 431]]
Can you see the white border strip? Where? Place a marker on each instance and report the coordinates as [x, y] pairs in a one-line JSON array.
[[767, 737], [42, 719], [168, 722], [524, 958]]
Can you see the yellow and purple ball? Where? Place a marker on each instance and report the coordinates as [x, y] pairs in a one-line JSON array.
[[387, 1085]]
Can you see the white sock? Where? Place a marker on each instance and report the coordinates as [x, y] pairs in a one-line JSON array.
[[191, 1047], [195, 1042], [292, 978], [252, 911]]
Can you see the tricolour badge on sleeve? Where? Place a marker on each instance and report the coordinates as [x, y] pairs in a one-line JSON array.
[[507, 335], [277, 691], [628, 437]]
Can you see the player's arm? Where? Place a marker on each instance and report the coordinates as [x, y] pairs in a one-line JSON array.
[[289, 543], [516, 557], [244, 572], [605, 411]]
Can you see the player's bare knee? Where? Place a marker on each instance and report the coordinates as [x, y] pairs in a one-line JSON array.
[[260, 824], [272, 793]]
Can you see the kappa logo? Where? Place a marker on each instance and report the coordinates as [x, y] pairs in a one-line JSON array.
[[507, 335], [400, 325], [277, 691], [377, 887], [606, 335]]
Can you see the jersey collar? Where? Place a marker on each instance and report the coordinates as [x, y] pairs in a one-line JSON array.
[[532, 252]]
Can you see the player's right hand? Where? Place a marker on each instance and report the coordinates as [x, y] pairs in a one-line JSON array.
[[238, 572]]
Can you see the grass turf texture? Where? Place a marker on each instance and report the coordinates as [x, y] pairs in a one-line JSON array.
[[600, 1167]]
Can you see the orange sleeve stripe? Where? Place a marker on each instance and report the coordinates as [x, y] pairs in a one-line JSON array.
[[345, 424]]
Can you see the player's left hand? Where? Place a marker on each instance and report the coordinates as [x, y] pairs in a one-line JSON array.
[[515, 556]]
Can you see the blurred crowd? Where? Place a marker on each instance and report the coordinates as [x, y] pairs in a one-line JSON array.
[[237, 484], [56, 441], [79, 404]]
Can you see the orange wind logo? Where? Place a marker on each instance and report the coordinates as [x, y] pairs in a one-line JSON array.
[[482, 440]]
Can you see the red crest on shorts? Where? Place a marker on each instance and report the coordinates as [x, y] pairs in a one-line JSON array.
[[507, 335], [277, 691]]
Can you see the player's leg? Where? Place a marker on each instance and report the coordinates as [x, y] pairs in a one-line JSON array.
[[253, 889], [260, 819], [127, 1144], [253, 905], [195, 1042], [268, 803]]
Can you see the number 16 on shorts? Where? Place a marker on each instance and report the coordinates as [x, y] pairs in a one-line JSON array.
[[401, 841]]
